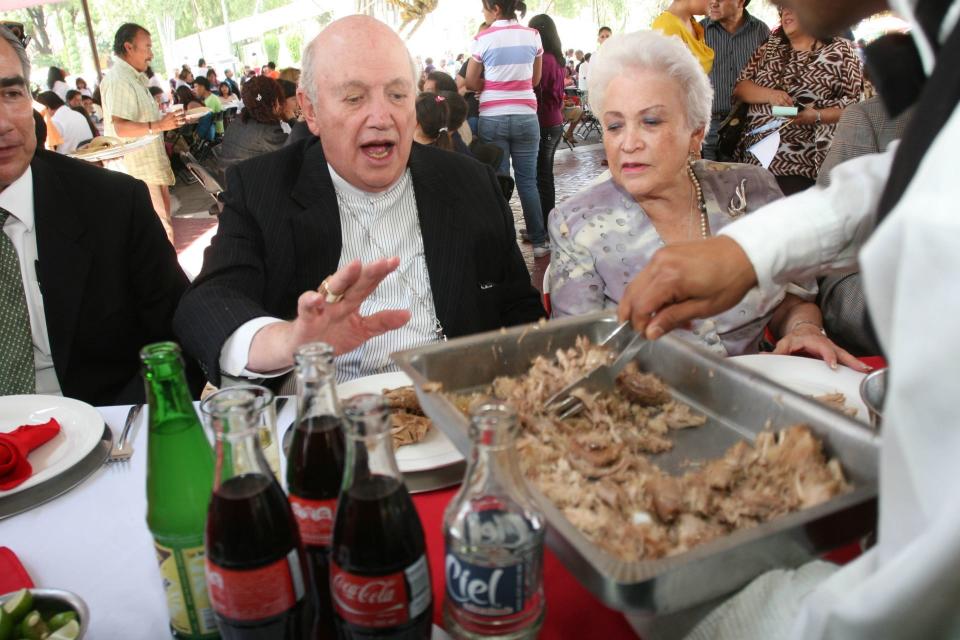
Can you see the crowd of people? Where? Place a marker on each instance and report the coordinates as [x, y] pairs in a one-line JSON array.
[[365, 207]]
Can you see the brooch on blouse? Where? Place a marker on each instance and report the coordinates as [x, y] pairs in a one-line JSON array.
[[738, 203]]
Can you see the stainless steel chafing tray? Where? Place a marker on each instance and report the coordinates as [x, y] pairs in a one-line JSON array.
[[738, 404]]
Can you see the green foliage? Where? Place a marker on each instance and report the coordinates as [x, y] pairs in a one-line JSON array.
[[294, 42], [271, 45]]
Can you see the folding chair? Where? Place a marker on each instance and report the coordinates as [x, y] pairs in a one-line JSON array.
[[206, 180]]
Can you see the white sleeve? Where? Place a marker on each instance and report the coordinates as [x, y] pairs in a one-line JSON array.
[[235, 353], [817, 231]]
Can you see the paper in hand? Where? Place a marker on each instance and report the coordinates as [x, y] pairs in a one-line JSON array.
[[766, 149]]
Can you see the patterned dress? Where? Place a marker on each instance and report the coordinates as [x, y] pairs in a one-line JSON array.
[[602, 239], [828, 76]]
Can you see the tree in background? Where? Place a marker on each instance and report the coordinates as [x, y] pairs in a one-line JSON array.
[[271, 46], [294, 42]]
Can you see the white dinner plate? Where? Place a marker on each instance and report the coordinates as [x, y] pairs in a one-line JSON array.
[[80, 429], [432, 452], [809, 377], [114, 151]]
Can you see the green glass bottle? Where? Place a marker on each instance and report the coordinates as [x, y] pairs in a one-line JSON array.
[[179, 484]]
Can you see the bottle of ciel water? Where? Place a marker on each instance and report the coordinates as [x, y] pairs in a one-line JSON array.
[[494, 533]]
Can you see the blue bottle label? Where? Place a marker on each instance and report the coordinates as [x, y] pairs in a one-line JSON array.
[[485, 591]]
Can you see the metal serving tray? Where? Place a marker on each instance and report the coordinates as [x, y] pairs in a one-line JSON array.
[[738, 404]]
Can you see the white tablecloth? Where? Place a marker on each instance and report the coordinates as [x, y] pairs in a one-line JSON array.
[[94, 542]]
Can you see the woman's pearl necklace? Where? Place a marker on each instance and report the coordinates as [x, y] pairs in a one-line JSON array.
[[701, 205]]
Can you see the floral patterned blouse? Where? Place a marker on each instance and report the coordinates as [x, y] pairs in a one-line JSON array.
[[602, 239], [828, 76]]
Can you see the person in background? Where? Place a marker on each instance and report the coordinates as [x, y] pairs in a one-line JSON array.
[[271, 70], [603, 34], [459, 130], [678, 20], [228, 78], [228, 99], [509, 56], [57, 82], [185, 78], [733, 34], [433, 119], [74, 129], [73, 98], [291, 107], [428, 66], [212, 77], [257, 130], [186, 96], [472, 97], [81, 85], [110, 280], [437, 81], [157, 94], [93, 111], [290, 74], [550, 95], [201, 68], [796, 69], [583, 76], [153, 80], [129, 111], [210, 101]]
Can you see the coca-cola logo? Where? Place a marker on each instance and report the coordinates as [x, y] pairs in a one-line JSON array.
[[368, 592], [317, 514]]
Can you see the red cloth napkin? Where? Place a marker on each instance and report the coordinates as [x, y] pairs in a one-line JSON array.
[[16, 445], [13, 576]]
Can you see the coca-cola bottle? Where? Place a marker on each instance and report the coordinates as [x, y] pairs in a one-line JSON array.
[[493, 533], [254, 559], [315, 472], [379, 574]]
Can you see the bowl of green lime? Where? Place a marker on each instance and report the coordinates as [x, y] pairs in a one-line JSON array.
[[43, 614]]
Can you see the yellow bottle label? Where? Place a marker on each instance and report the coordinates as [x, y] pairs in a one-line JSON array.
[[185, 585]]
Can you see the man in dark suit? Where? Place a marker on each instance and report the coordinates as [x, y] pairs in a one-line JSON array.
[[87, 276], [359, 194]]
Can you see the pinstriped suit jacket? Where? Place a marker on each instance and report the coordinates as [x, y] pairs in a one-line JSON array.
[[280, 235]]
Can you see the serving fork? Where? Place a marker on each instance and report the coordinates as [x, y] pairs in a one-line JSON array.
[[122, 448], [601, 378]]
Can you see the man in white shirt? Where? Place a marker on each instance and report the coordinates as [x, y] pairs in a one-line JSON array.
[[908, 585], [357, 237], [72, 126]]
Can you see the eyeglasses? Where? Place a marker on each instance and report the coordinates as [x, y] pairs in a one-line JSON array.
[[16, 28]]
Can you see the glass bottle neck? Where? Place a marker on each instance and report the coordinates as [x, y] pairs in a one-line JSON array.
[[232, 414], [166, 383], [369, 443], [316, 387]]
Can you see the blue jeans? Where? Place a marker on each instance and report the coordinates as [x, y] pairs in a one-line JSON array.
[[473, 121], [519, 137]]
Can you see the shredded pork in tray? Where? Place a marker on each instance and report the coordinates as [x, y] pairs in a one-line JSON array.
[[596, 467]]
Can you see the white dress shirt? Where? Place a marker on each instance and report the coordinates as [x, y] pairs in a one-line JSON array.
[[17, 198], [394, 223], [907, 585], [73, 128]]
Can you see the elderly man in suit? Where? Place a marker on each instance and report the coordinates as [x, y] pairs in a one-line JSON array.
[[357, 237], [87, 276]]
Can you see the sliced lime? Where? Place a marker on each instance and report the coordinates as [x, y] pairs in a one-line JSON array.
[[69, 631], [20, 604], [60, 619], [6, 625], [33, 627]]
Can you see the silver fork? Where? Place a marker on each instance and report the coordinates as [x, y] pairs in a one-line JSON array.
[[601, 378], [122, 449]]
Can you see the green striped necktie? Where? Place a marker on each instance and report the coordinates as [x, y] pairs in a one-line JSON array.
[[17, 371]]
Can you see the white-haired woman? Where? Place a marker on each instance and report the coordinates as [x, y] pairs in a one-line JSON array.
[[654, 100]]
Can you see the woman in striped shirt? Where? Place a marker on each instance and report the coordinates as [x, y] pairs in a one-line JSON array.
[[510, 56]]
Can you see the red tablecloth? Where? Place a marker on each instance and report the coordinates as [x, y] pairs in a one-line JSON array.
[[572, 612]]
